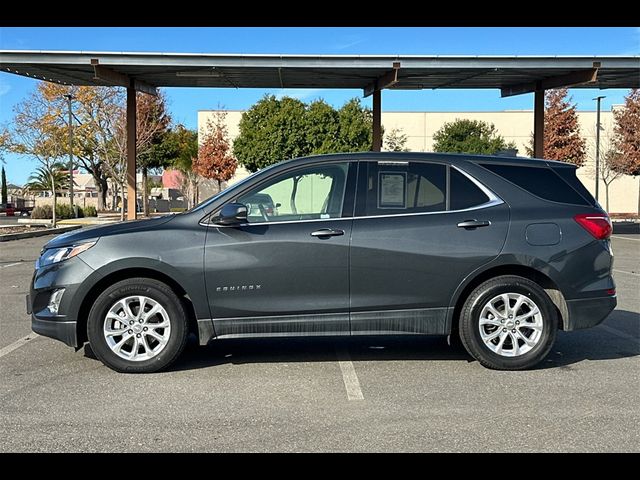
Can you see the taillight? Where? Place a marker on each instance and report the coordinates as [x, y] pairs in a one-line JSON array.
[[596, 224]]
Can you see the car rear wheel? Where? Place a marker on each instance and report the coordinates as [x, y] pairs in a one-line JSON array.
[[508, 323], [137, 326]]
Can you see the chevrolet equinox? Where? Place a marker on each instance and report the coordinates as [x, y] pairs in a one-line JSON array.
[[499, 251]]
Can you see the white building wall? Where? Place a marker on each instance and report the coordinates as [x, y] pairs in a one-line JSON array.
[[516, 126]]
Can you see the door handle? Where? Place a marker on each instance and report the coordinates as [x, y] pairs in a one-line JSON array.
[[327, 232], [471, 224]]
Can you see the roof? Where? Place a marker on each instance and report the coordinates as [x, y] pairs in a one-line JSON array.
[[446, 157], [319, 71]]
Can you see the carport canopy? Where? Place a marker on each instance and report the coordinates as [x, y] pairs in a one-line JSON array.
[[146, 72]]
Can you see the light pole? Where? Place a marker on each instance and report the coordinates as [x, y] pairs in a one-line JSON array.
[[69, 97], [598, 99]]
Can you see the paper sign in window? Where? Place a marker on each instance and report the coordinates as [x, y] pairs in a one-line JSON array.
[[392, 190]]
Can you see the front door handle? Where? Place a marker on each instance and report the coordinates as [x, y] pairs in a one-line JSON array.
[[471, 224], [327, 232]]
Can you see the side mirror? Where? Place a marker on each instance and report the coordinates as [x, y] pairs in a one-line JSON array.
[[232, 214]]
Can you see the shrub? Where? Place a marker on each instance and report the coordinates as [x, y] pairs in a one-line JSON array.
[[63, 211], [42, 212], [90, 211]]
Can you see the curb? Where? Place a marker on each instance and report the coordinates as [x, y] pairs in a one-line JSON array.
[[38, 233]]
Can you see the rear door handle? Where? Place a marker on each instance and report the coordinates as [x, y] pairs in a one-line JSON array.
[[471, 224], [327, 232]]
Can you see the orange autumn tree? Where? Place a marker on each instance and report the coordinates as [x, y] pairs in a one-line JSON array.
[[627, 137], [562, 140], [215, 159]]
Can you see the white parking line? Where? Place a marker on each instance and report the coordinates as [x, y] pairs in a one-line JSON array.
[[626, 238], [620, 333], [628, 273], [17, 344], [349, 376], [11, 265]]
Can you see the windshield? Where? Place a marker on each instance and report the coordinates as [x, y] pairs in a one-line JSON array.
[[235, 186]]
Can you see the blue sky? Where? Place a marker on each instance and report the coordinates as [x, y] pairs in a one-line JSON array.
[[184, 103]]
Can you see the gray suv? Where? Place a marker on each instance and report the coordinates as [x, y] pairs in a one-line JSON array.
[[501, 252]]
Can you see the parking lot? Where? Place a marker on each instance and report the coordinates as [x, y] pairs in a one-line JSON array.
[[373, 394]]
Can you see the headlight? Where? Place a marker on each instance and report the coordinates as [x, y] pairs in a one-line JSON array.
[[55, 255]]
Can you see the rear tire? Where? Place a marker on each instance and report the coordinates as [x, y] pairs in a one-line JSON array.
[[517, 337], [137, 325]]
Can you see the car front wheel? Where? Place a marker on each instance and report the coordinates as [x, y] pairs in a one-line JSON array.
[[508, 323], [137, 325]]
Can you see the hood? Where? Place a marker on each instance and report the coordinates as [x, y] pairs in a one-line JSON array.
[[91, 233]]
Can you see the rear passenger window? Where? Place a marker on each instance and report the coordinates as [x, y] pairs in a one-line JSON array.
[[464, 193], [389, 188], [539, 181], [404, 187]]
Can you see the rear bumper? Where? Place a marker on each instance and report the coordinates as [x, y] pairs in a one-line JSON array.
[[589, 312], [65, 331]]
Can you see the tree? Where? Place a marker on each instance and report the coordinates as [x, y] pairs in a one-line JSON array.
[[214, 159], [3, 188], [562, 140], [395, 141], [322, 128], [43, 179], [179, 149], [627, 136], [272, 130], [95, 110], [152, 122], [36, 133], [4, 143], [469, 136], [607, 165], [355, 127], [609, 170]]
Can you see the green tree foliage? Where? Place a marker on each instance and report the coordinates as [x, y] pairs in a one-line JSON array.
[[279, 129], [469, 136], [178, 149], [4, 187], [42, 179]]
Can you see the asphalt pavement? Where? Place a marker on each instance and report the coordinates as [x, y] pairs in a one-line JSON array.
[[374, 394]]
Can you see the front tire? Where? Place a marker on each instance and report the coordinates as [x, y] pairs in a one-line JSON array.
[[508, 323], [137, 325]]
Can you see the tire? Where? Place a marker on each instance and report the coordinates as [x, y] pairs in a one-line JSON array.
[[152, 355], [534, 335]]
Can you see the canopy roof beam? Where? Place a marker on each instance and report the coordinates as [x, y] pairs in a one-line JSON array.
[[115, 78], [579, 77], [387, 80]]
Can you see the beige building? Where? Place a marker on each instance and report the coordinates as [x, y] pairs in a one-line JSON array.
[[513, 125]]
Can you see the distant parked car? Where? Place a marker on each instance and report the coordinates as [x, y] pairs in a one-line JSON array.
[[8, 209], [12, 210], [500, 251]]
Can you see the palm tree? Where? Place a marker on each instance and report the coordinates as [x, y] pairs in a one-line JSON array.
[[51, 178], [41, 179]]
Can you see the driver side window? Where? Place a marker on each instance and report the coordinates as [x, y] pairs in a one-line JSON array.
[[311, 193]]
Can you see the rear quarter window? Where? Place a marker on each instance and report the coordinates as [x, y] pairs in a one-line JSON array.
[[542, 182]]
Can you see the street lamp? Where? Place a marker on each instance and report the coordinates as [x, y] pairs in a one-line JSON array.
[[598, 99], [70, 97]]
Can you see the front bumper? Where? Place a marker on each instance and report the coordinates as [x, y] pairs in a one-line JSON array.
[[65, 331], [75, 277], [589, 312]]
